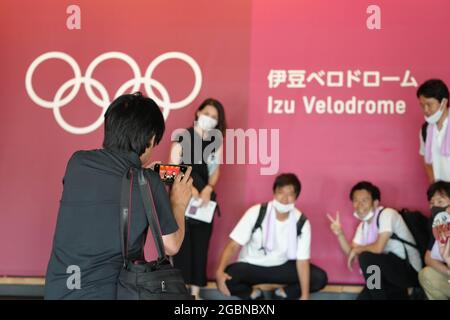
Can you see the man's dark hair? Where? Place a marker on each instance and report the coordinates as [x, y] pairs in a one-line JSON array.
[[369, 187], [287, 179], [433, 88], [131, 121], [441, 187]]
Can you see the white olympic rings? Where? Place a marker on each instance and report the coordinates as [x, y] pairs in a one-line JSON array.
[[104, 101]]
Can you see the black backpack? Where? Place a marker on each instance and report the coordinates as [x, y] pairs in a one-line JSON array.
[[262, 214], [418, 225]]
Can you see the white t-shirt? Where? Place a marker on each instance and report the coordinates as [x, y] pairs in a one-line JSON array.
[[251, 244], [391, 221], [441, 164]]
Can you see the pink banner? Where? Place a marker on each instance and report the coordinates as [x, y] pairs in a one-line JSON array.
[[355, 114], [339, 89]]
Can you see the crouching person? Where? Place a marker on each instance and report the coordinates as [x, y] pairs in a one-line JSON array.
[[435, 277], [383, 240], [274, 240]]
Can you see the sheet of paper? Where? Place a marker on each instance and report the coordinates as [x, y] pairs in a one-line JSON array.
[[195, 211]]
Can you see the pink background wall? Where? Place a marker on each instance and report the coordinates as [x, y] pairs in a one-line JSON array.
[[236, 44]]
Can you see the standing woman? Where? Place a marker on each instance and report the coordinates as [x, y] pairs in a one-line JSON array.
[[193, 255]]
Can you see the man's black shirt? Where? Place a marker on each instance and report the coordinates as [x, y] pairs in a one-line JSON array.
[[87, 232]]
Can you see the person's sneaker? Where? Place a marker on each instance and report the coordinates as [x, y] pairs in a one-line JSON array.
[[257, 294], [279, 294]]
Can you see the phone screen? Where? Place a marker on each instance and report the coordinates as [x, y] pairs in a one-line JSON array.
[[168, 172]]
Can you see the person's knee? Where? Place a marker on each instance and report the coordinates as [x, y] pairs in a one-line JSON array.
[[426, 276], [231, 284], [319, 279], [230, 269], [431, 281], [366, 258], [236, 270], [234, 280], [323, 279], [422, 277]]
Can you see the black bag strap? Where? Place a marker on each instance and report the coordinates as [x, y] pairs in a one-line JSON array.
[[300, 224], [378, 218], [150, 211], [149, 207], [394, 236], [261, 215], [125, 204]]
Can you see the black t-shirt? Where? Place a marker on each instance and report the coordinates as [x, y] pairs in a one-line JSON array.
[[200, 174], [87, 232]]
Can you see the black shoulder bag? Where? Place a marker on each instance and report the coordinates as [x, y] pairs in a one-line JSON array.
[[139, 279]]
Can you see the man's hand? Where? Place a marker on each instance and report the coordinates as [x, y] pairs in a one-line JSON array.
[[351, 258], [221, 277], [335, 225], [182, 190]]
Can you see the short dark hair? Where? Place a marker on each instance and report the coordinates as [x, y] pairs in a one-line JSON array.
[[131, 121], [221, 122], [369, 187], [287, 179], [442, 187], [433, 88]]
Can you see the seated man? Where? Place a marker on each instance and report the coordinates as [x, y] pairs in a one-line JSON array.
[[435, 277], [398, 262], [275, 249]]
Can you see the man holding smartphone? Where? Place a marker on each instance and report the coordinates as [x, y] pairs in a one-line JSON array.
[[87, 237]]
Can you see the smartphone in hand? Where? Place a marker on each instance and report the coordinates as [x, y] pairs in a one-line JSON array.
[[168, 172]]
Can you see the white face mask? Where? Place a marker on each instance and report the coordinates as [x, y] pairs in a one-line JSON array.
[[282, 208], [366, 218], [434, 118], [206, 122]]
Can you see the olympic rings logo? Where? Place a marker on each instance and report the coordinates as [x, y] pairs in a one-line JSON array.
[[104, 101]]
